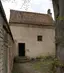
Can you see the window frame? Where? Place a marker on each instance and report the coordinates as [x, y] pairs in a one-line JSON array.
[[40, 38]]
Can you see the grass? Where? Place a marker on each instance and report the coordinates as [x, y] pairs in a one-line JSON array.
[[43, 66]]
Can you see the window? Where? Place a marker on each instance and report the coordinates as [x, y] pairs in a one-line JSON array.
[[39, 38]]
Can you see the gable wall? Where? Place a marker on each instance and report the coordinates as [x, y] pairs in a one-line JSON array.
[[28, 35]]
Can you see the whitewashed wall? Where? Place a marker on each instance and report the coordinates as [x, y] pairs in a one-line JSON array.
[[28, 35]]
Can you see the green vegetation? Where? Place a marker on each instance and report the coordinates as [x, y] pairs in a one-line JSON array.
[[44, 65], [56, 63], [47, 64]]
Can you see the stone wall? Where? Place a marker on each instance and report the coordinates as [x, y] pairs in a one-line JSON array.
[[6, 44]]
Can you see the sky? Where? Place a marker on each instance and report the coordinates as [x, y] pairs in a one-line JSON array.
[[39, 6]]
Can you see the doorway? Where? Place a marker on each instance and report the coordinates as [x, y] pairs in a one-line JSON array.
[[21, 49]]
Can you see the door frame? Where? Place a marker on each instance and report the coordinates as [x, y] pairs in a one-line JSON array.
[[24, 48]]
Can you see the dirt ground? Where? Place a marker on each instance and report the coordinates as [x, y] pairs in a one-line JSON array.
[[24, 68], [33, 67]]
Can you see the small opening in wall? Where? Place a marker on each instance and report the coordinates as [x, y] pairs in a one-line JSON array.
[[39, 38]]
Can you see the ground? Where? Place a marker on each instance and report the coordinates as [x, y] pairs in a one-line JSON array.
[[41, 66]]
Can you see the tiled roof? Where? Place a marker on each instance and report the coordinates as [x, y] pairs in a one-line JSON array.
[[30, 18]]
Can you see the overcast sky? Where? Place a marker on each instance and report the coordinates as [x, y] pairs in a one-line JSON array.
[[40, 6]]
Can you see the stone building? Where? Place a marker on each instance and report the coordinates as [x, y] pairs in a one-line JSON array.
[[6, 44], [34, 33]]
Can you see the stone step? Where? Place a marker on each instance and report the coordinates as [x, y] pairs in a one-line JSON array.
[[21, 59]]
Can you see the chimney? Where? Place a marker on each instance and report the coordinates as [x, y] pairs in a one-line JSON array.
[[49, 12]]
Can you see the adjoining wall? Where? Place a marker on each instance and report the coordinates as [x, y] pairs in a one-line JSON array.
[[11, 50], [6, 44], [28, 35]]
